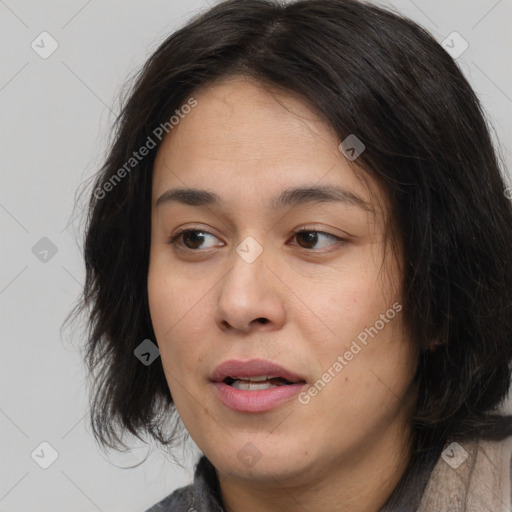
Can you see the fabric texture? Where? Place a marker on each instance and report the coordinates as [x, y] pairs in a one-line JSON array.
[[459, 477], [481, 483]]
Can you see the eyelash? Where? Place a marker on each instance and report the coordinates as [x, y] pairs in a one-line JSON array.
[[173, 240]]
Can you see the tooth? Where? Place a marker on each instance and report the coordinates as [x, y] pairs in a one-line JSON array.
[[251, 386], [259, 378]]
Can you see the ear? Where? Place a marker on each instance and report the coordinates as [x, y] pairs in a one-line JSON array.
[[434, 344]]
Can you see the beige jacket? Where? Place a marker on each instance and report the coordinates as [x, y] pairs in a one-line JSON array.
[[471, 477]]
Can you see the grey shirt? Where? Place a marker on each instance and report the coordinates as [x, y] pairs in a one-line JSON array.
[[204, 494]]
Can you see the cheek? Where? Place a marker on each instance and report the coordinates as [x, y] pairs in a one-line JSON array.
[[160, 301], [177, 309], [361, 317], [343, 306], [364, 382], [171, 297]]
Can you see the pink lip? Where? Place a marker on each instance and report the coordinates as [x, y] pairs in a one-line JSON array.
[[259, 400], [252, 368]]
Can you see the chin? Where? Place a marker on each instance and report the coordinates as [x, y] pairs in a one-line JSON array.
[[261, 460]]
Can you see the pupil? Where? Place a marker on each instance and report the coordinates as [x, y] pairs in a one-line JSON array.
[[309, 236], [199, 239]]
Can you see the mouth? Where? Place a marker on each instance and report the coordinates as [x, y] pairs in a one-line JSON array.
[[256, 385], [259, 373]]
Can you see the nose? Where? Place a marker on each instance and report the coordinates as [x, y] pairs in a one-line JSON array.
[[250, 297]]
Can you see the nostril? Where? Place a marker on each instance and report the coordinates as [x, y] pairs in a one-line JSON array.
[[262, 320]]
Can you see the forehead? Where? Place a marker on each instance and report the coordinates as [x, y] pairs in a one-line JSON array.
[[246, 139]]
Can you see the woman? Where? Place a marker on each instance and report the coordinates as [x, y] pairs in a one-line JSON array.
[[303, 210]]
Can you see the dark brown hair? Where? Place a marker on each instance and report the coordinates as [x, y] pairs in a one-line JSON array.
[[368, 72]]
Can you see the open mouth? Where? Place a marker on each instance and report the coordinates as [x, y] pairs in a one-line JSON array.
[[257, 383]]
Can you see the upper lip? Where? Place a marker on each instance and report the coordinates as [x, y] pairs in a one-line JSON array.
[[252, 368]]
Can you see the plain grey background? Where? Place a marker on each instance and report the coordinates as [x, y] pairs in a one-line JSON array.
[[56, 114]]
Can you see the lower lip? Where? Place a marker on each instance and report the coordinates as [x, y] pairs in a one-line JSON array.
[[256, 401]]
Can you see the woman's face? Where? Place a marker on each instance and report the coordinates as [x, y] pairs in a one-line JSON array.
[[324, 305]]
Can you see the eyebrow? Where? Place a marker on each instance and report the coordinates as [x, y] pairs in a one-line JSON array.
[[289, 198]]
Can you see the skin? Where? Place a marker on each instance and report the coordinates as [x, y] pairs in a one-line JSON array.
[[347, 448]]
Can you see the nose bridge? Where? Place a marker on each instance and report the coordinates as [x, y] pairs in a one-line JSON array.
[[247, 273], [249, 292]]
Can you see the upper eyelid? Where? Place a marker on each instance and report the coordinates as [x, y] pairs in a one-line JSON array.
[[298, 230]]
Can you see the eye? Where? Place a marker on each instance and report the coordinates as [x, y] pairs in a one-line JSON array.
[[191, 238], [308, 238]]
